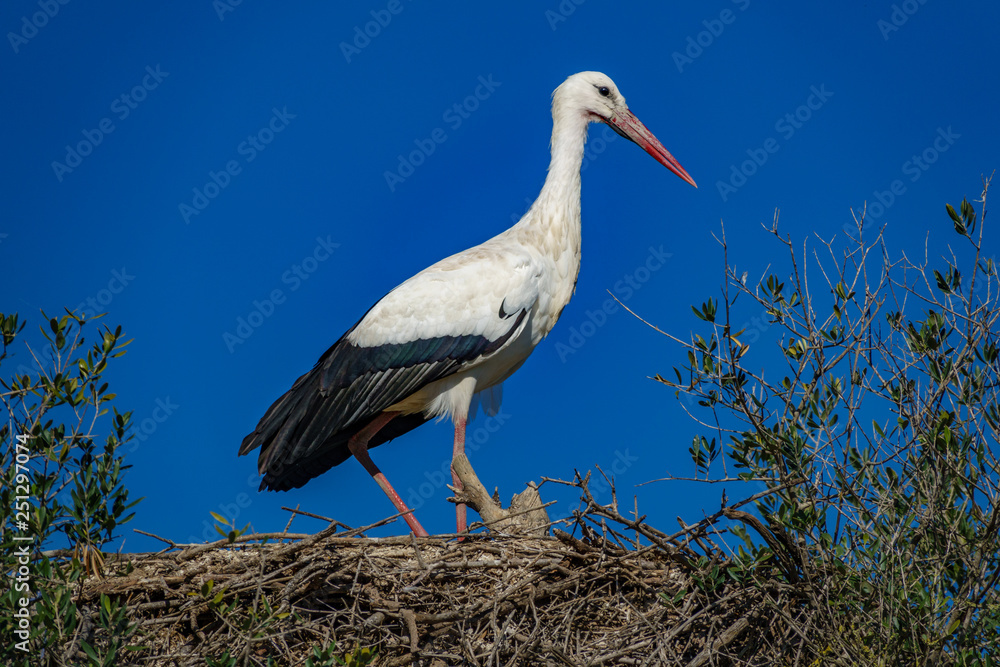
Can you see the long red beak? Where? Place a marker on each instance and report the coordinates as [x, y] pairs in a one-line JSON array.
[[630, 127]]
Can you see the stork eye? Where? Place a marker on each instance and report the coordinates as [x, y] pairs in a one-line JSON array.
[[604, 91]]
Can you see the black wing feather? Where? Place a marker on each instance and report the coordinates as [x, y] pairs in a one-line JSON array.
[[306, 431]]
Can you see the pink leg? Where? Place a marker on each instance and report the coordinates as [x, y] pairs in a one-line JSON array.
[[358, 445], [459, 449]]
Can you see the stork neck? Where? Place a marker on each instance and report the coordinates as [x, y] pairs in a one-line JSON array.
[[554, 218], [562, 185]]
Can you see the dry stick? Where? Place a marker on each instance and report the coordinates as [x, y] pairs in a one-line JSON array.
[[526, 512], [650, 534], [582, 484], [315, 516], [511, 515], [545, 527], [291, 518], [191, 550], [731, 634], [364, 529], [709, 520], [173, 545], [779, 547], [411, 626], [416, 550], [569, 540], [305, 539]]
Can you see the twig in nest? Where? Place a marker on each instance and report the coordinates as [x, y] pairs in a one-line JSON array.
[[679, 554], [411, 627], [780, 544], [315, 516], [525, 516], [291, 518], [173, 545]]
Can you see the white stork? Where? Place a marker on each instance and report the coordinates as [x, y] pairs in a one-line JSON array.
[[457, 328]]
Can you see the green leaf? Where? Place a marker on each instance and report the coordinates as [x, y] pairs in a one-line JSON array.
[[89, 650], [942, 283]]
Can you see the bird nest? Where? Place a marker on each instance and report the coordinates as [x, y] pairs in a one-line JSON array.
[[610, 591]]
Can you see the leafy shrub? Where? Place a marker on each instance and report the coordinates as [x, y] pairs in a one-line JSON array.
[[62, 495], [874, 436]]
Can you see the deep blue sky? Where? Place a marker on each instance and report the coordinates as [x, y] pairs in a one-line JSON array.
[[309, 210]]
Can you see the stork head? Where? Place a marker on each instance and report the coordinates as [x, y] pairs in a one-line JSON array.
[[595, 97]]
